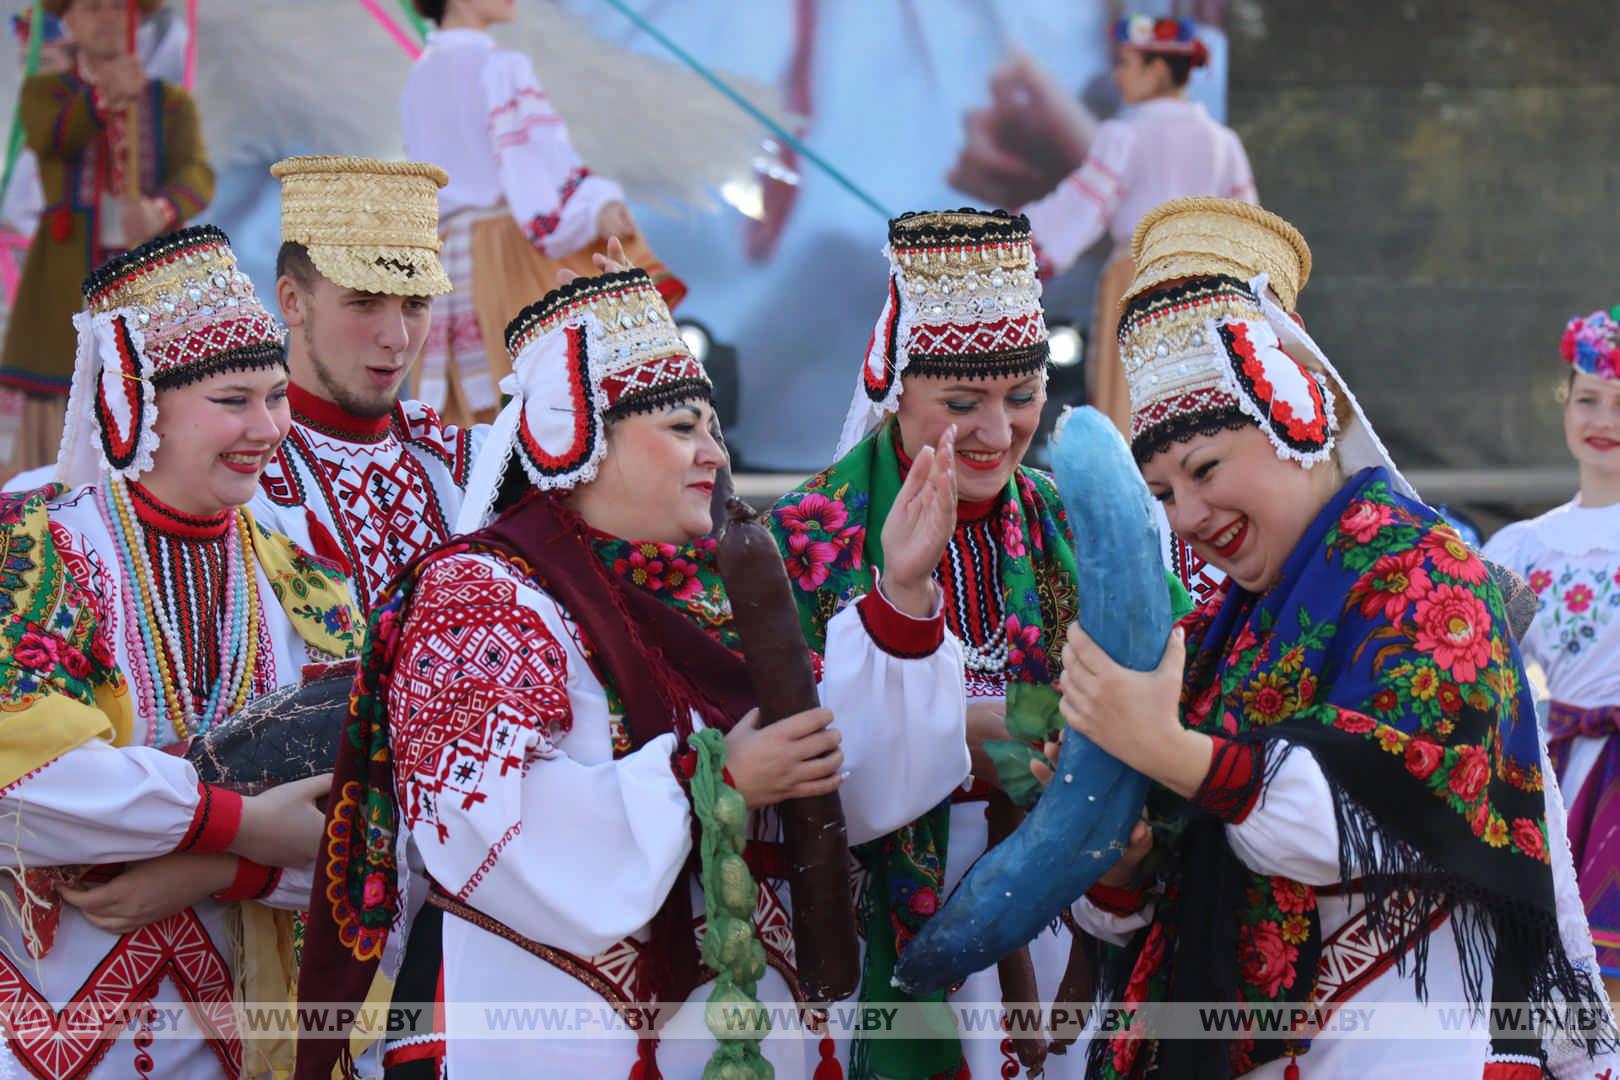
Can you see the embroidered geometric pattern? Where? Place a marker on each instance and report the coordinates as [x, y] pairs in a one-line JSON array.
[[614, 972], [379, 500], [511, 122], [1354, 955], [647, 375], [177, 948], [481, 689], [952, 339], [1201, 579], [254, 327], [187, 298]]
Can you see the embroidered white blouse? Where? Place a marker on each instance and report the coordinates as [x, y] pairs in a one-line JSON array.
[[1159, 150], [101, 805], [382, 491], [576, 847], [480, 113]]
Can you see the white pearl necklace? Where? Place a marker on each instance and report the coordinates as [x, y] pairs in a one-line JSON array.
[[986, 659]]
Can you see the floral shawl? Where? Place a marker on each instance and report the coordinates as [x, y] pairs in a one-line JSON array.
[[1382, 651], [59, 684], [830, 533]]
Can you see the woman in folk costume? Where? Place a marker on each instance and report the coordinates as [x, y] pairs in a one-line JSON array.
[[1571, 558], [1162, 147], [520, 203], [1350, 748], [536, 697], [143, 606], [960, 343]]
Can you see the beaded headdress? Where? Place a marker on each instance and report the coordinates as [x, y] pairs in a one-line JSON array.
[[594, 350], [1161, 37], [174, 310], [963, 302], [367, 224], [1207, 341], [1591, 344]]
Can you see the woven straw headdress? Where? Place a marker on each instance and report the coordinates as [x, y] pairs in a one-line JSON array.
[[369, 225], [963, 302], [1207, 341], [594, 350], [1207, 237], [173, 310]]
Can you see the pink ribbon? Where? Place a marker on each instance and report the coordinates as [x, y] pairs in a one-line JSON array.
[[386, 21], [189, 79], [10, 271]]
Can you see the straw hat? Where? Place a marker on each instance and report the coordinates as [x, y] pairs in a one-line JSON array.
[[1206, 237], [368, 225]]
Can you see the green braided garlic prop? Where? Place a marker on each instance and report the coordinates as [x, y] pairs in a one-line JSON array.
[[730, 946]]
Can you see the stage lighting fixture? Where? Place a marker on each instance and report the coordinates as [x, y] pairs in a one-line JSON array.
[[697, 339], [720, 361], [1067, 344]]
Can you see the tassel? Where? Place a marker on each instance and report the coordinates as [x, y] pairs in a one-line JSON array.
[[346, 1067], [1292, 1072], [320, 538], [828, 1068], [62, 224], [646, 1066]]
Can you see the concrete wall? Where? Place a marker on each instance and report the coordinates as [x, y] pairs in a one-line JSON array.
[[1456, 168]]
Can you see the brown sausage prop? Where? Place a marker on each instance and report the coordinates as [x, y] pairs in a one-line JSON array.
[[778, 662]]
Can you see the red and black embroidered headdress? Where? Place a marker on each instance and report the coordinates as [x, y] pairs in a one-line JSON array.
[[174, 310], [963, 303], [594, 350], [1208, 341]]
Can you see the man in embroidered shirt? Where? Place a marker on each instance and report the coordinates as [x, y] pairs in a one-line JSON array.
[[363, 478], [78, 124]]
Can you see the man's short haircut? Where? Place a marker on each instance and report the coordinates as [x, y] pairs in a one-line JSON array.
[[293, 261]]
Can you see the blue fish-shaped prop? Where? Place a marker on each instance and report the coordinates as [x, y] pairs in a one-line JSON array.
[[1082, 821]]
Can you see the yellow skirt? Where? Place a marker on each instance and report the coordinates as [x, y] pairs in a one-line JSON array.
[[1105, 375], [497, 272]]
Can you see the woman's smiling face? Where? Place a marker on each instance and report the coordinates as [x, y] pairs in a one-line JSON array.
[[1236, 503], [995, 422]]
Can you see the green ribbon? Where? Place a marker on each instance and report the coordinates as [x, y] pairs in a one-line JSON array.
[[419, 24], [748, 106], [14, 144]]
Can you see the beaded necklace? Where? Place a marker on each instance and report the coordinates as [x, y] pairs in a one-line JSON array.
[[156, 647], [970, 575]]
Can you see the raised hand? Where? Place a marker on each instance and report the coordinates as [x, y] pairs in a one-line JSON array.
[[1033, 134], [613, 222], [1134, 715], [121, 80], [613, 262], [919, 527]]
